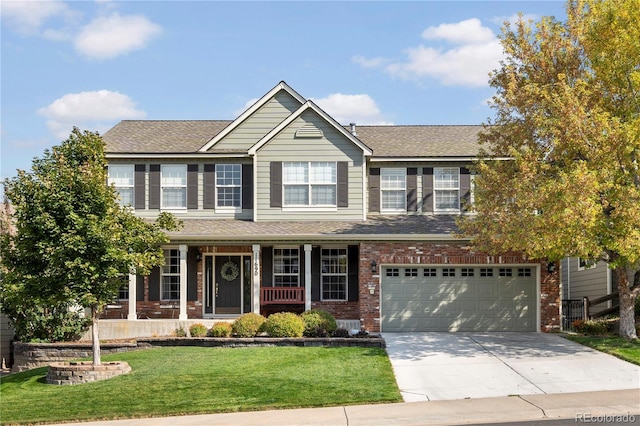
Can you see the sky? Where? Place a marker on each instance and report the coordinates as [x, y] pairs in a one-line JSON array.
[[91, 64]]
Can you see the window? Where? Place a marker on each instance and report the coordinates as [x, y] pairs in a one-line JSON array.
[[467, 272], [122, 177], [393, 183], [586, 264], [286, 267], [170, 275], [174, 186], [228, 185], [309, 183], [486, 272], [334, 274], [505, 272], [448, 272], [446, 187], [393, 272], [411, 272], [430, 272], [123, 291], [524, 272]]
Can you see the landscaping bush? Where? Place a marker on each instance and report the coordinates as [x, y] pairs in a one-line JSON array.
[[221, 329], [247, 325], [591, 327], [180, 332], [318, 323], [198, 330], [340, 332], [284, 324]]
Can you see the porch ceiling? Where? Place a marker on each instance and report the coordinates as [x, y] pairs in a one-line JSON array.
[[394, 228]]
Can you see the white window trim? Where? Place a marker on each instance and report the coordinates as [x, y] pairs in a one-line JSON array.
[[310, 184], [586, 266], [228, 208], [163, 186], [436, 189], [383, 190], [131, 169], [163, 274], [345, 274], [273, 266]]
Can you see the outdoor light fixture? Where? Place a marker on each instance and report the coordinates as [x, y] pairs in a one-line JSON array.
[[551, 267], [198, 255], [374, 267]]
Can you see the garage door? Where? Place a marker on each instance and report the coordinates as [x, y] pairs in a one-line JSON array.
[[459, 298]]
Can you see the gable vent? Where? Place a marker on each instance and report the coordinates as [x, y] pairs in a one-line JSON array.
[[309, 131]]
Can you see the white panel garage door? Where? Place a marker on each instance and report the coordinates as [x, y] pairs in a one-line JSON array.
[[459, 298]]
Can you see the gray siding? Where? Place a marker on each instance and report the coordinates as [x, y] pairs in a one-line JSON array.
[[591, 283], [260, 123], [6, 335], [333, 146]]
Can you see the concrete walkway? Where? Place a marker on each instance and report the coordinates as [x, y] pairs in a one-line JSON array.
[[449, 366], [592, 407]]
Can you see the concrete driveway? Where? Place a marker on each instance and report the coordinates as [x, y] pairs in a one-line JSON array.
[[442, 366]]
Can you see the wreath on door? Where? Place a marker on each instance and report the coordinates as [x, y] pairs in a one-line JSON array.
[[229, 271]]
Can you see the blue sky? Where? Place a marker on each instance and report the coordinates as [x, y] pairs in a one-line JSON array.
[[91, 64]]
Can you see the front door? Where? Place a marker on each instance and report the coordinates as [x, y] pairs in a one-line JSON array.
[[227, 287]]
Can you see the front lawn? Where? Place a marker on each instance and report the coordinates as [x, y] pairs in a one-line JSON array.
[[614, 345], [193, 380]]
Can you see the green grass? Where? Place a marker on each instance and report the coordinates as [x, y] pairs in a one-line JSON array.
[[192, 380], [614, 345]]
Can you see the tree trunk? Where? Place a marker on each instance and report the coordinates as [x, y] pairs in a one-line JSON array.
[[94, 334], [627, 304]]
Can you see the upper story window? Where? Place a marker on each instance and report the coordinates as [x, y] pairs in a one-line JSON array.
[[228, 185], [121, 176], [174, 186], [446, 187], [309, 183], [286, 267], [393, 185]]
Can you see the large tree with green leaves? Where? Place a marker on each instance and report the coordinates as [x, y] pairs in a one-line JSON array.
[[567, 116], [71, 241]]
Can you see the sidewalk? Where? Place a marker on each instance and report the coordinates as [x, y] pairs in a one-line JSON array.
[[622, 406]]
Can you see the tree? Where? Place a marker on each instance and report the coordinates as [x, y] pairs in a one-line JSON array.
[[72, 242], [567, 116]]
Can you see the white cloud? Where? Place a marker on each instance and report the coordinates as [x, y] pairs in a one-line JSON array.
[[28, 16], [114, 35], [345, 109], [245, 107], [370, 62], [471, 51], [97, 111]]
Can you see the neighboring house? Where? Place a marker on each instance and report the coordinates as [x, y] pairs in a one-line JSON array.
[[286, 209]]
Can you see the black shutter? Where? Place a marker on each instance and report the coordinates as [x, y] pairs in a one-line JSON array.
[[247, 186], [154, 186], [465, 188], [412, 189], [276, 184], [139, 287], [374, 189], [192, 273], [154, 284], [353, 281], [343, 183], [315, 273], [192, 186], [267, 266], [139, 186], [427, 189], [209, 186]]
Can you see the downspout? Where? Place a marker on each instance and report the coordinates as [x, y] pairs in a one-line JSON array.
[[255, 187]]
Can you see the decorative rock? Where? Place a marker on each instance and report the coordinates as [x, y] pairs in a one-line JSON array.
[[75, 373]]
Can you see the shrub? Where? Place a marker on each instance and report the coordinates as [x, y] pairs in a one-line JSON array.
[[221, 329], [247, 325], [180, 332], [340, 332], [284, 324], [591, 327], [318, 323], [198, 330]]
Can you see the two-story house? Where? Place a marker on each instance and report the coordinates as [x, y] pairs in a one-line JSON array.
[[286, 209]]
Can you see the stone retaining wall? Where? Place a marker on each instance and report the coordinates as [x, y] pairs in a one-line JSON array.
[[75, 373], [33, 355]]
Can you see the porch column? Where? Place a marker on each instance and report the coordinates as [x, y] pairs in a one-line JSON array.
[[307, 277], [183, 282], [132, 298], [256, 278]]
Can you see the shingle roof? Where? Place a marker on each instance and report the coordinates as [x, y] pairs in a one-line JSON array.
[[400, 227], [188, 136]]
